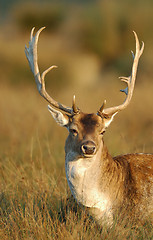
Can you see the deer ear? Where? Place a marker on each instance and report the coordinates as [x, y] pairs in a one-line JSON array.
[[60, 118], [108, 119]]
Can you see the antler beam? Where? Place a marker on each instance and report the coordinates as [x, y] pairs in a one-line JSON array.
[[31, 54], [129, 80]]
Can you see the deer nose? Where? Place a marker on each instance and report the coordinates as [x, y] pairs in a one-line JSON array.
[[88, 148]]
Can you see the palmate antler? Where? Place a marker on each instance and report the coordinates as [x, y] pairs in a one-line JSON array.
[[31, 54], [130, 83]]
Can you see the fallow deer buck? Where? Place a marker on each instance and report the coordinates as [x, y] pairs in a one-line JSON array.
[[104, 184]]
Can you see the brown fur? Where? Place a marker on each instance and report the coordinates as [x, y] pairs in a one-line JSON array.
[[129, 181]]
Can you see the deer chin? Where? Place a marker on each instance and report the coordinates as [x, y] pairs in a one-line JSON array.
[[88, 155]]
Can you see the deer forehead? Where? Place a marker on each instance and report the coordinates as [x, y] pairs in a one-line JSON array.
[[87, 123]]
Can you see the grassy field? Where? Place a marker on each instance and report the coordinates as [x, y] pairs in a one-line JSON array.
[[35, 201]]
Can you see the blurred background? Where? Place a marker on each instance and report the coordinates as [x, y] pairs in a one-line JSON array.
[[90, 42]]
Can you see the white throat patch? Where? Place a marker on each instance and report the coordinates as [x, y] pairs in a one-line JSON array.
[[82, 176]]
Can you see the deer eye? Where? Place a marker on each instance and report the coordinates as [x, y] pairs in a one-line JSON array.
[[73, 131]]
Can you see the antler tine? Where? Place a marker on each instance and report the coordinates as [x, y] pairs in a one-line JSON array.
[[74, 107], [31, 54], [100, 111], [130, 81]]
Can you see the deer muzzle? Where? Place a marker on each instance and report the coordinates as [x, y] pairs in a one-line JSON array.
[[88, 148]]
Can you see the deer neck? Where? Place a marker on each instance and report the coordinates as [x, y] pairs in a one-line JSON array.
[[88, 178]]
